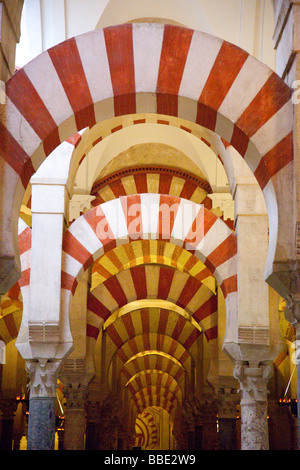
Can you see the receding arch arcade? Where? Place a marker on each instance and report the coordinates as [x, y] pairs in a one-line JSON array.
[[134, 68]]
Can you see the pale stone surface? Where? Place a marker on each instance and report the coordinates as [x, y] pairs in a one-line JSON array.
[[74, 429]]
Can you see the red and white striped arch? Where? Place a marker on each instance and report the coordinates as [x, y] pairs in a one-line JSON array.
[[140, 68], [157, 379], [153, 330], [142, 217], [156, 341], [152, 282], [155, 390], [151, 216], [150, 251], [154, 362], [166, 400], [146, 321], [151, 179]]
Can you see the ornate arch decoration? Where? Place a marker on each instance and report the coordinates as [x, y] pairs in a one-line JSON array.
[[156, 396], [139, 333], [135, 180], [103, 74], [154, 361], [139, 283], [151, 216], [150, 330], [144, 252], [153, 341]]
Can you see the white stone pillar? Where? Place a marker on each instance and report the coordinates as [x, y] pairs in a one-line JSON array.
[[287, 276], [44, 321], [253, 381], [252, 348], [251, 223], [48, 331], [47, 337]]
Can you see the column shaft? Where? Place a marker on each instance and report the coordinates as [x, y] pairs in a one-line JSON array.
[[74, 435], [41, 424], [74, 430], [254, 406]]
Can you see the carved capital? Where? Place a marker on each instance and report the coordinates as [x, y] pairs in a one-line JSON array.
[[224, 202], [75, 382], [76, 394], [191, 411], [43, 378], [93, 411], [79, 204], [253, 382], [292, 308]]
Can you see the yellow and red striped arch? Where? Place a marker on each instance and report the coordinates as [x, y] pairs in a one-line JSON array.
[[152, 282], [113, 223]]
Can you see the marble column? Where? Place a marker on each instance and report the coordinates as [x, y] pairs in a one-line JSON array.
[[254, 405], [42, 404], [8, 407], [75, 379], [74, 435]]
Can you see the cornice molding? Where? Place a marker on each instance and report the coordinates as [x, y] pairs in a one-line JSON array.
[[161, 169]]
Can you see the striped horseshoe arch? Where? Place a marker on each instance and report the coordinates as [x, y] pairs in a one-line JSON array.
[[151, 216], [25, 252], [151, 179], [124, 350], [152, 282], [150, 251], [137, 68], [159, 343], [143, 323], [168, 396], [152, 338], [155, 362]]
